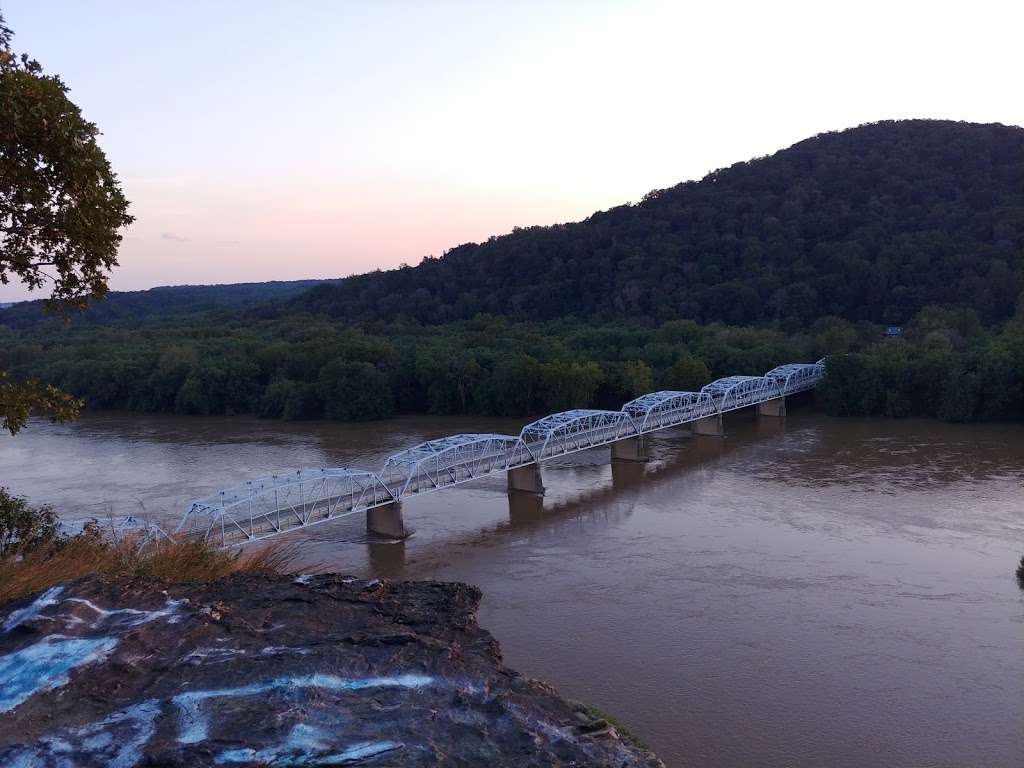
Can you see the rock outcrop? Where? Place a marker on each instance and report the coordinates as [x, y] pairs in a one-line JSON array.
[[254, 670]]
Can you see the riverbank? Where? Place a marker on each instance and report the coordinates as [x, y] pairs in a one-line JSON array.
[[255, 669]]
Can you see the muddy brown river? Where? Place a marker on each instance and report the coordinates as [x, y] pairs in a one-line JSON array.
[[831, 593]]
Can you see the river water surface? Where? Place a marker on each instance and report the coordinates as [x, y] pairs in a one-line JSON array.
[[823, 593]]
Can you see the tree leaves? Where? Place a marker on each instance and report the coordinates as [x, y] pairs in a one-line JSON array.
[[61, 210], [19, 400]]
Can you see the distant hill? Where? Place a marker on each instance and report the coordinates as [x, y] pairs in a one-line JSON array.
[[165, 301], [870, 223]]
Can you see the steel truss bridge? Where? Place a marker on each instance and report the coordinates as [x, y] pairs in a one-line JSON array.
[[260, 509]]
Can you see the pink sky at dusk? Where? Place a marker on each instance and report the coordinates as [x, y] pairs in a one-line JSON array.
[[271, 141]]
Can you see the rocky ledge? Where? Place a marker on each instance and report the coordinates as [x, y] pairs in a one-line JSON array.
[[260, 670]]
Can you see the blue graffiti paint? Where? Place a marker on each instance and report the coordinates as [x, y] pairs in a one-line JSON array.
[[307, 745], [45, 665], [120, 738], [362, 750], [95, 743], [23, 759], [29, 612], [116, 741], [195, 724]]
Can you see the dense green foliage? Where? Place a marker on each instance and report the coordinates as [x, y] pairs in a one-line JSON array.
[[166, 301], [869, 224], [20, 399], [304, 367], [948, 367], [24, 528], [61, 210], [307, 367]]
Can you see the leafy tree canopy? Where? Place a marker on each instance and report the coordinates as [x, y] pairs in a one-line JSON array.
[[61, 208]]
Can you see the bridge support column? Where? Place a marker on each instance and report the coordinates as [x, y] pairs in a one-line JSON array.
[[387, 520], [775, 408], [525, 509], [630, 449], [710, 426], [526, 479]]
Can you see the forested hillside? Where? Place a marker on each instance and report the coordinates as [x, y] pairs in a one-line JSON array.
[[165, 301], [807, 253], [303, 367], [872, 223]]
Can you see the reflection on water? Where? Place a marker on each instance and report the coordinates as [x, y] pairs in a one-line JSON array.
[[803, 592]]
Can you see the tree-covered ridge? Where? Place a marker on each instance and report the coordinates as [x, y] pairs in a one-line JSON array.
[[305, 367], [163, 301], [789, 258], [872, 223]]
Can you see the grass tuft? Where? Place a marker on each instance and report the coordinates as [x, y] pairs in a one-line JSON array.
[[91, 553]]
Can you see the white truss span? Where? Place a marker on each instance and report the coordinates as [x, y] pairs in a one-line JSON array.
[[447, 461], [571, 431], [266, 507], [271, 505], [797, 377], [659, 410]]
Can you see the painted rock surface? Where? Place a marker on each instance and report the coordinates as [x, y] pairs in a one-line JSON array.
[[313, 671]]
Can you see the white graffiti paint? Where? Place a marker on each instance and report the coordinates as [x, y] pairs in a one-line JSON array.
[[31, 611], [362, 751], [304, 578], [282, 650], [45, 665], [212, 655], [129, 617], [115, 618], [307, 745], [195, 724], [116, 741]]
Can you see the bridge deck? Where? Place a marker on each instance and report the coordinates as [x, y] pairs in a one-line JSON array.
[[259, 509]]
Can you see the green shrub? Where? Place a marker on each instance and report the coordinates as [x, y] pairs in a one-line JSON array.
[[24, 528]]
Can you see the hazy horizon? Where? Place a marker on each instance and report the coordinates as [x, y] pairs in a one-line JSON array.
[[322, 140]]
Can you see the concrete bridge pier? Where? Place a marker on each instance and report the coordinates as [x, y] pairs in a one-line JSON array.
[[525, 509], [386, 558], [626, 474], [526, 479], [387, 520], [630, 449], [710, 426], [775, 408]]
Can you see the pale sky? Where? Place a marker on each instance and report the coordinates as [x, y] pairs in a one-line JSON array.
[[262, 141]]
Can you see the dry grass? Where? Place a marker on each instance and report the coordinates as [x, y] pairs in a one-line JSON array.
[[91, 553]]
